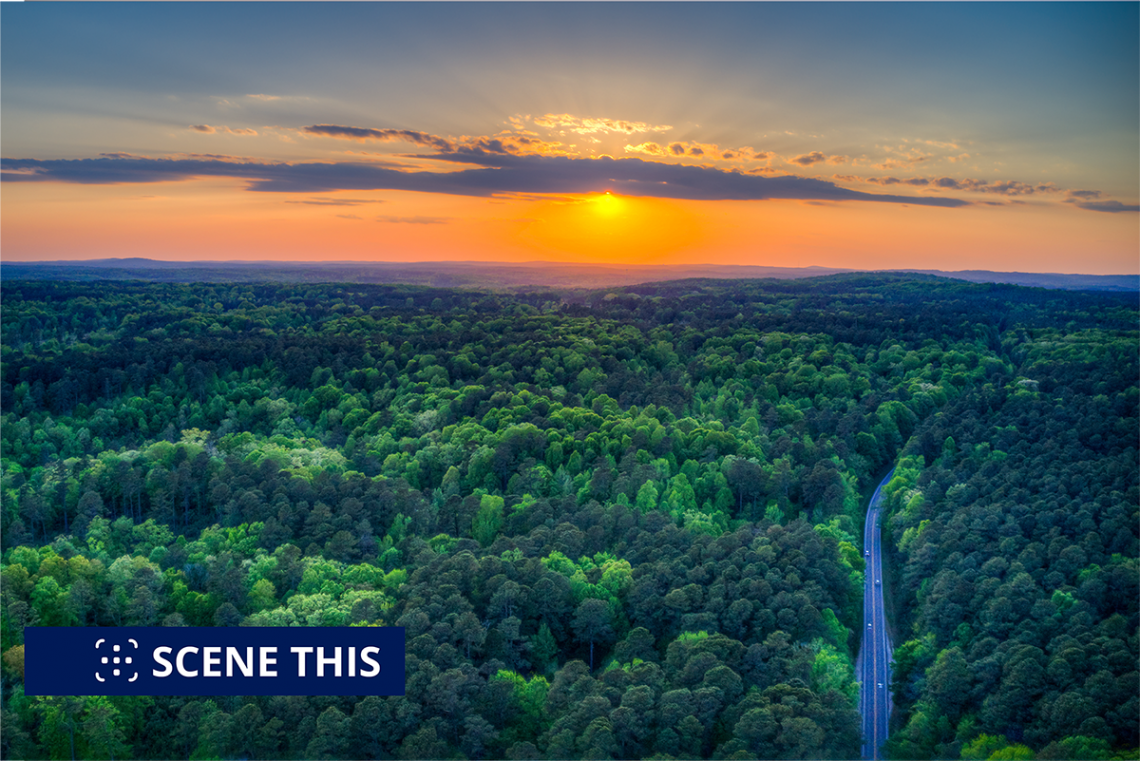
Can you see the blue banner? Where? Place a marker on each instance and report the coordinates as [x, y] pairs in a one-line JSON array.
[[140, 660]]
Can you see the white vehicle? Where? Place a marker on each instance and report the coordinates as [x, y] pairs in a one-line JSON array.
[[868, 624], [867, 553]]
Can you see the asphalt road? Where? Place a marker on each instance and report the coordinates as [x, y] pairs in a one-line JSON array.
[[873, 666]]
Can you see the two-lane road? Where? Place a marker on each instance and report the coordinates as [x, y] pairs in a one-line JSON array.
[[874, 664]]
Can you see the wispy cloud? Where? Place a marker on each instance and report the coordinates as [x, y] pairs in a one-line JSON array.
[[380, 135], [210, 130], [1110, 206], [903, 157], [949, 145], [1001, 187], [902, 163], [212, 156], [703, 151], [592, 125], [1092, 200]]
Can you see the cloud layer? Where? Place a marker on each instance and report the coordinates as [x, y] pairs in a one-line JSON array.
[[491, 174], [518, 162]]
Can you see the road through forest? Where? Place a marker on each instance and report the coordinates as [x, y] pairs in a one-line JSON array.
[[874, 663]]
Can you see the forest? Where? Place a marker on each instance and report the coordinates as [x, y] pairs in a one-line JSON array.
[[614, 523]]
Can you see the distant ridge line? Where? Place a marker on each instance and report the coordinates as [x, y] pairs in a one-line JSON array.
[[500, 274]]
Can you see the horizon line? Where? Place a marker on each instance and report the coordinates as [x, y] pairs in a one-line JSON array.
[[538, 262]]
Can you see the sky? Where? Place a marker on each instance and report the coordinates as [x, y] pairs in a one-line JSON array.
[[999, 136]]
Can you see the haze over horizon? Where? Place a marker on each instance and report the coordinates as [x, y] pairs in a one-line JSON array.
[[864, 136]]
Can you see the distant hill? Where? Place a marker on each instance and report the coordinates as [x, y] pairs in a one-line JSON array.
[[491, 274], [1044, 279]]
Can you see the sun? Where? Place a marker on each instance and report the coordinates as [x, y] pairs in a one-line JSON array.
[[607, 205], [612, 228]]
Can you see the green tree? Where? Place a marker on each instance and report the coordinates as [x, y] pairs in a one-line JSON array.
[[593, 622], [544, 649], [489, 519], [102, 729], [332, 735]]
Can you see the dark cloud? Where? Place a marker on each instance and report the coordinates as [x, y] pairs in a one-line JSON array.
[[1014, 188], [808, 159], [381, 135], [699, 150], [509, 144], [203, 128], [919, 182], [815, 157], [638, 177], [1004, 187], [1110, 206], [1092, 201], [490, 174]]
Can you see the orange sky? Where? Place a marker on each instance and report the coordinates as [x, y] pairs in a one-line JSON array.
[[216, 219]]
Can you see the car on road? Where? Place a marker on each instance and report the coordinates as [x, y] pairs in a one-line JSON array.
[[878, 582], [868, 624], [867, 553]]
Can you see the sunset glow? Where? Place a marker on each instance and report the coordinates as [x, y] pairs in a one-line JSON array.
[[501, 150]]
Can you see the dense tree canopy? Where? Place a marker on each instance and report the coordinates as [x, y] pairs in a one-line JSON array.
[[614, 524], [1016, 517]]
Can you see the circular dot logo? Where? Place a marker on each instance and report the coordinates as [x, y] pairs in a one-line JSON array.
[[118, 660]]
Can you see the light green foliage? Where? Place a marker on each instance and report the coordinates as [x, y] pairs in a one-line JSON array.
[[985, 747], [647, 497], [833, 669], [489, 519]]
